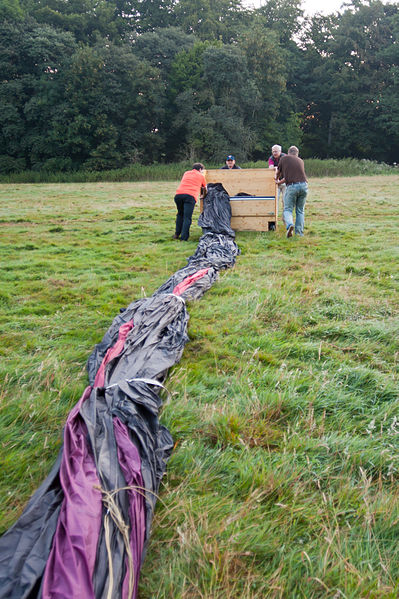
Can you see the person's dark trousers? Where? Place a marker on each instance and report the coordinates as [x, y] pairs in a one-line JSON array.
[[185, 207]]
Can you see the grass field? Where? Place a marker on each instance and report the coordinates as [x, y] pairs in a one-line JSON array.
[[285, 406]]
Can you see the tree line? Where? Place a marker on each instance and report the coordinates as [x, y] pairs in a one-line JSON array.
[[100, 84]]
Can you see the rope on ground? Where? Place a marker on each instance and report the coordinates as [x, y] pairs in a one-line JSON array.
[[114, 512]]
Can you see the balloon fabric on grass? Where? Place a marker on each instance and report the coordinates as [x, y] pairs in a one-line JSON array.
[[84, 531]]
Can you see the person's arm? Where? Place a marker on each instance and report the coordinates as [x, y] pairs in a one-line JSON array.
[[280, 176], [271, 163], [204, 188]]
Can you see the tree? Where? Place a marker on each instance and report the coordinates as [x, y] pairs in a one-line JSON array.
[[10, 10], [31, 56], [387, 109], [185, 94], [86, 19], [211, 19], [109, 112], [160, 47], [66, 106], [345, 76], [274, 117], [148, 15], [214, 95], [281, 16]]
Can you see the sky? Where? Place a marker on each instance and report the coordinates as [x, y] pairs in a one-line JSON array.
[[324, 7], [310, 7]]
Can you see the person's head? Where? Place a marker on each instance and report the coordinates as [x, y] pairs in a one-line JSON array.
[[276, 151], [197, 166], [293, 150], [230, 161]]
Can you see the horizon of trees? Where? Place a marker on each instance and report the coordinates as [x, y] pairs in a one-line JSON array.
[[100, 84]]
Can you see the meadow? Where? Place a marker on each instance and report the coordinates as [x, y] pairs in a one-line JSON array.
[[284, 409]]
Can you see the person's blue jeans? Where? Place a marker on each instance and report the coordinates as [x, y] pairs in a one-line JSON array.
[[185, 208], [295, 197], [280, 194]]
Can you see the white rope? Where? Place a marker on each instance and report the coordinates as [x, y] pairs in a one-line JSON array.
[[153, 382], [115, 513], [175, 295], [139, 380]]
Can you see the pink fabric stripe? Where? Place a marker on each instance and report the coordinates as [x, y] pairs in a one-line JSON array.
[[130, 463], [113, 352], [69, 569], [188, 281]]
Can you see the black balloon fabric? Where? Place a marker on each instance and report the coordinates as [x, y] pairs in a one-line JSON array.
[[84, 532], [216, 214]]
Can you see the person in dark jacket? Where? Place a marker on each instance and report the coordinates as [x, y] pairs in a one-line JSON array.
[[291, 171], [186, 197], [230, 163]]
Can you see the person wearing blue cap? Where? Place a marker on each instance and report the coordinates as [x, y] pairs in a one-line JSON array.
[[230, 162]]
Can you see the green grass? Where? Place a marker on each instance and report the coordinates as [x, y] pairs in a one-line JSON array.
[[285, 406], [315, 167]]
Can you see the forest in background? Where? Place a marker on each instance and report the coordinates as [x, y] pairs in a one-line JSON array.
[[103, 84]]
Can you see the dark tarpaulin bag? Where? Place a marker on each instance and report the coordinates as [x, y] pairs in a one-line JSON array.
[[190, 282], [25, 547], [216, 214], [110, 422], [121, 467], [219, 250], [159, 325], [84, 532], [125, 401]]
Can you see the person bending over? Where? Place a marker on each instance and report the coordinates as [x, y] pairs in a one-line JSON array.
[[186, 197], [291, 171]]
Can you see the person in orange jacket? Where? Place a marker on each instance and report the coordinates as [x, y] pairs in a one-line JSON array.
[[192, 183]]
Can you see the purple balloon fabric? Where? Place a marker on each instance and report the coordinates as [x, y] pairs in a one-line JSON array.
[[130, 463], [84, 532], [70, 567]]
